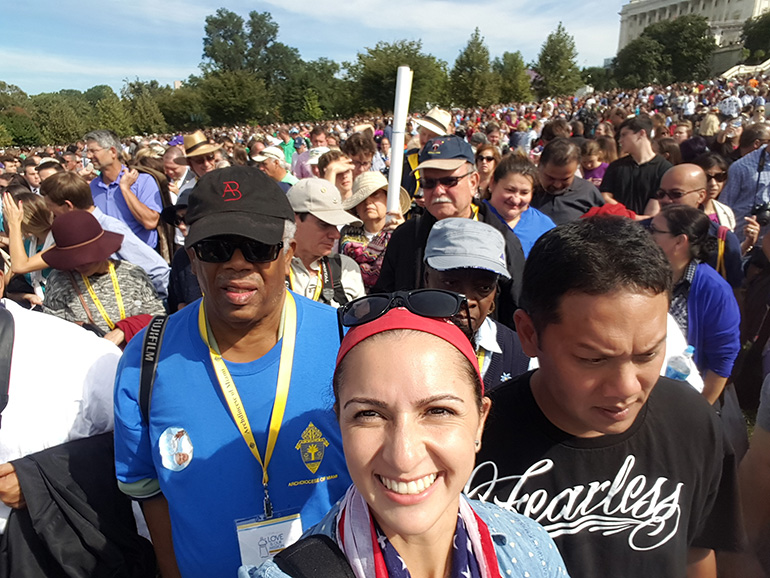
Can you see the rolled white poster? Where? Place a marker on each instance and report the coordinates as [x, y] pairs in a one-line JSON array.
[[400, 112]]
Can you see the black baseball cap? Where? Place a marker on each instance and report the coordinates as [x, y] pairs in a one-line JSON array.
[[446, 153], [240, 201]]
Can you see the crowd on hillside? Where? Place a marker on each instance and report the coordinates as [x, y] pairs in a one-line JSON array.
[[536, 365]]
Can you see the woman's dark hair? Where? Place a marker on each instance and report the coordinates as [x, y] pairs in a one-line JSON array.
[[692, 148], [596, 256], [465, 367], [695, 224], [609, 148], [710, 160], [517, 163]]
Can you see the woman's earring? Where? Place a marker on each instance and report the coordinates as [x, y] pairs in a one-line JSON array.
[[477, 442]]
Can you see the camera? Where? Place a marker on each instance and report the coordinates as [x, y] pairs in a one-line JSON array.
[[762, 213]]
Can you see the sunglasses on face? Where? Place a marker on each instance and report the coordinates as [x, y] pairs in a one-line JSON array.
[[446, 182], [488, 159], [673, 195], [719, 177], [221, 250], [200, 159], [435, 303]]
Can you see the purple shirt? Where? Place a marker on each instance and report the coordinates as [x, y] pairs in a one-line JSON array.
[[110, 201]]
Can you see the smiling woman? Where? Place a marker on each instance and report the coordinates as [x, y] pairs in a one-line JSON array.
[[410, 442]]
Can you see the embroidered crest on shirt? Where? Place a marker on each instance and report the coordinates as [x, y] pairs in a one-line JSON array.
[[312, 447]]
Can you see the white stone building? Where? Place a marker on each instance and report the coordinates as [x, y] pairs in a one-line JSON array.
[[726, 17]]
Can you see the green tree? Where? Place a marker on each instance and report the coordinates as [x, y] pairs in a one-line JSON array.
[[97, 93], [756, 37], [23, 130], [556, 67], [312, 110], [183, 108], [642, 61], [55, 115], [373, 76], [472, 81], [224, 45], [513, 77], [6, 139], [11, 95], [140, 98], [688, 43], [234, 97], [111, 114], [599, 77]]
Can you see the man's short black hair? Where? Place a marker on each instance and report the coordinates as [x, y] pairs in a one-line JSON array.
[[595, 256], [637, 123], [560, 152]]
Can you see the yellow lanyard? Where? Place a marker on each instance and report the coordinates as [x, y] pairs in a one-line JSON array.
[[480, 354], [319, 282], [474, 212], [118, 297], [230, 391]]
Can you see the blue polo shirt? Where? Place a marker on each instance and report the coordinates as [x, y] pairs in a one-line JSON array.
[[110, 201]]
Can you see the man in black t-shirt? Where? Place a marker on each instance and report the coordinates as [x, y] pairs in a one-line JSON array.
[[560, 194], [634, 178], [625, 470]]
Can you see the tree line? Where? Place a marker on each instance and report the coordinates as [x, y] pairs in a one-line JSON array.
[[248, 76]]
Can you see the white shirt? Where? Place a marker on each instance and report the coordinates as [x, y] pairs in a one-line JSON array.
[[486, 341], [305, 283], [62, 379]]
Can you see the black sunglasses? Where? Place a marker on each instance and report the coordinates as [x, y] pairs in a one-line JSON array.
[[435, 303], [221, 249], [482, 158], [719, 177], [673, 195], [447, 182]]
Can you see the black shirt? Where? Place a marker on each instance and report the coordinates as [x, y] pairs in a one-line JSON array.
[[626, 505], [569, 204], [633, 184]]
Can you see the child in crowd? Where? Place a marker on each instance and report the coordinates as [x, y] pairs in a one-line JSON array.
[[592, 161]]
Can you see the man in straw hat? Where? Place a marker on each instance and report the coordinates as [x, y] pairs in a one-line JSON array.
[[199, 156], [213, 491]]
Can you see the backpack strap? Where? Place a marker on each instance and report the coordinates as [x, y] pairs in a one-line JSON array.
[[7, 334], [153, 338], [315, 556]]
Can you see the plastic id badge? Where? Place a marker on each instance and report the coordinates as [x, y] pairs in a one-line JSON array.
[[261, 540]]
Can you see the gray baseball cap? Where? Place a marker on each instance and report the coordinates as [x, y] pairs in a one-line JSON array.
[[466, 244]]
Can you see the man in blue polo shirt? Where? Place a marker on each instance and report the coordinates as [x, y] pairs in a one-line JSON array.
[[126, 195], [240, 451]]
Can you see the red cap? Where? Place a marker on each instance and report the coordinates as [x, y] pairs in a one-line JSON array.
[[401, 318]]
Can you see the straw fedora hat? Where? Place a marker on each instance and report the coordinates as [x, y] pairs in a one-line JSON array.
[[196, 144], [369, 183], [437, 121]]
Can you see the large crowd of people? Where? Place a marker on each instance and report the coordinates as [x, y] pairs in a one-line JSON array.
[[226, 343]]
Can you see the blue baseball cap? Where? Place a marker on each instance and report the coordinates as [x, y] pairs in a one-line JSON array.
[[446, 153], [299, 142]]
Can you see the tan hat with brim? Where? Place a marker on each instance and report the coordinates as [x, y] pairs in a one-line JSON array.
[[369, 183], [321, 199], [196, 144], [436, 121]]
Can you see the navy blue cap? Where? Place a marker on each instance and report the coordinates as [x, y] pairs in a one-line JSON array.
[[446, 153]]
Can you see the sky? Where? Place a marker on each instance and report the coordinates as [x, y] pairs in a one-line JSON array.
[[50, 45]]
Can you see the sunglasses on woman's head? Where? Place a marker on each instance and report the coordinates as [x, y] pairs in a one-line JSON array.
[[221, 250], [435, 303]]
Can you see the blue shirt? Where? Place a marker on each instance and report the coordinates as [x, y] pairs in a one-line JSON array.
[[133, 250], [532, 224], [110, 200], [524, 549], [221, 482], [746, 187]]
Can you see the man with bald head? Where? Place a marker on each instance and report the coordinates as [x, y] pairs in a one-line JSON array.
[[685, 184]]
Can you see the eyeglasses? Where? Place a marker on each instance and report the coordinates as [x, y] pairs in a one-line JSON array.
[[487, 159], [446, 182], [674, 195], [362, 165], [221, 250], [654, 230], [719, 177], [200, 159], [435, 303]]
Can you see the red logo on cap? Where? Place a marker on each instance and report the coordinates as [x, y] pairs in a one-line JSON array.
[[232, 193]]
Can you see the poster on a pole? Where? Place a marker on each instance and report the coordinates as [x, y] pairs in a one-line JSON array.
[[400, 112]]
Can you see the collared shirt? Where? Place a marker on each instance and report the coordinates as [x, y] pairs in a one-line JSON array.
[[133, 250], [305, 283], [486, 344], [678, 308], [746, 187], [110, 200], [290, 179]]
